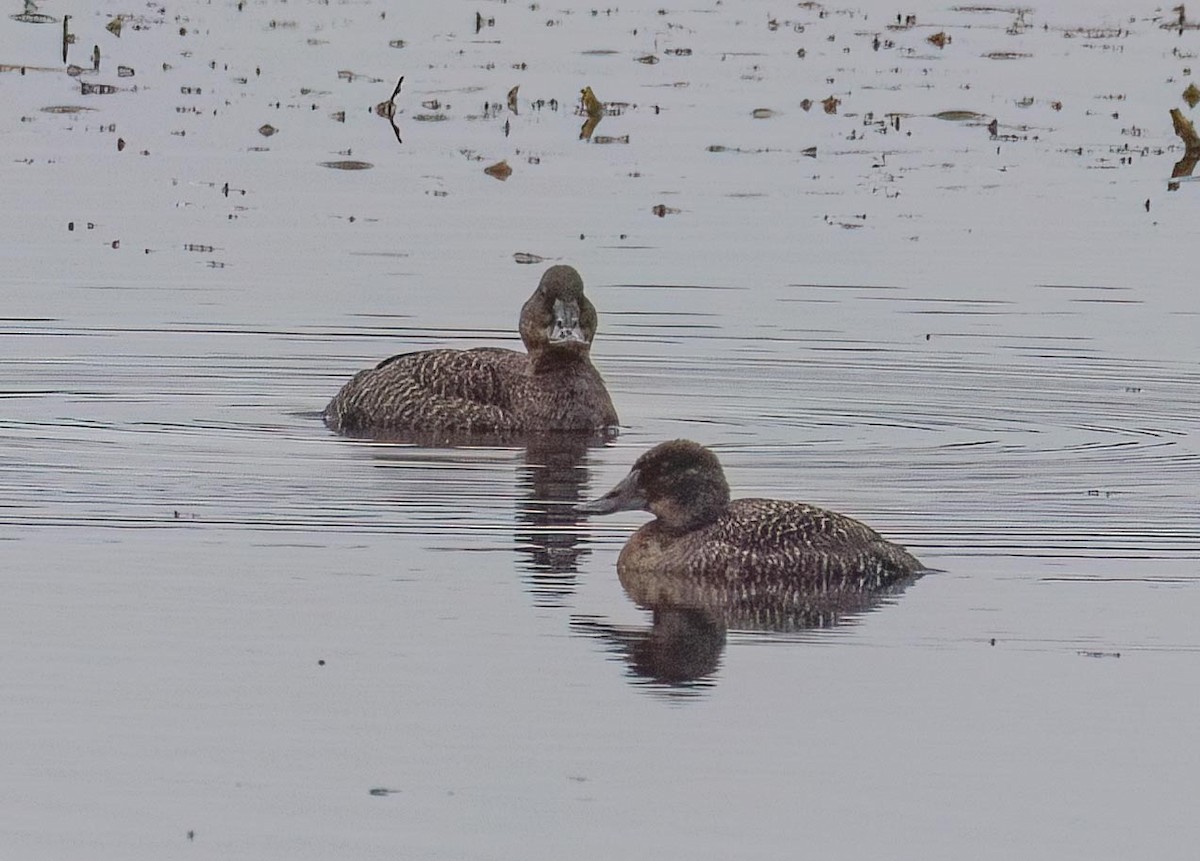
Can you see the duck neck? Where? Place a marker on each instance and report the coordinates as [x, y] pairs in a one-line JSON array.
[[698, 508], [547, 360]]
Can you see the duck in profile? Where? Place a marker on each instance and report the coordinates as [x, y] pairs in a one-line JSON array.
[[553, 386], [704, 550]]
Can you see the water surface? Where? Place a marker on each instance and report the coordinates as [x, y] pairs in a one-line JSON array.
[[222, 621]]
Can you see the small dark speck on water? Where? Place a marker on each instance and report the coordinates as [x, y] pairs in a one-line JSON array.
[[191, 835], [1147, 204], [993, 641], [380, 791], [320, 662]]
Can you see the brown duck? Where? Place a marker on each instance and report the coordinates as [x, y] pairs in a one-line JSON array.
[[705, 550], [553, 386]]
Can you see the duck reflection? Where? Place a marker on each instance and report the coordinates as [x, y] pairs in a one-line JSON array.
[[550, 536], [552, 478], [691, 618], [708, 563]]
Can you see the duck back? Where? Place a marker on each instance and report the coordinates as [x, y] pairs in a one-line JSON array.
[[761, 547], [462, 390]]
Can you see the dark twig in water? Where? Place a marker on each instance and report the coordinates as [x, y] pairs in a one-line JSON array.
[[387, 109]]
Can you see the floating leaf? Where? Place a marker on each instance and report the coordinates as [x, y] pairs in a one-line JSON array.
[[1191, 95], [114, 26], [592, 106], [831, 104], [512, 98], [940, 39], [957, 116], [500, 170], [267, 130], [1185, 129]]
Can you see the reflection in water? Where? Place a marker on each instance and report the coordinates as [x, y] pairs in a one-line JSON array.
[[682, 647], [550, 484], [549, 537]]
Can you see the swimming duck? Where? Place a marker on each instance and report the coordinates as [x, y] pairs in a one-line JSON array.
[[553, 386], [705, 550]]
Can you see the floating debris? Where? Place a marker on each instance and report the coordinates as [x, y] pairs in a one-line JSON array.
[[65, 109], [500, 170], [68, 38], [648, 59], [124, 72], [1191, 95], [526, 257], [1185, 129], [347, 75], [959, 116], [1006, 55], [87, 89], [806, 105], [267, 130], [607, 139], [388, 108], [831, 104], [347, 164], [762, 113], [114, 26], [592, 106], [32, 16], [512, 98], [678, 52], [380, 791], [430, 118], [940, 39], [662, 210]]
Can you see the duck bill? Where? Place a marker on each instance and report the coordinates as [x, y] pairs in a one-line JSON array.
[[567, 328], [626, 496]]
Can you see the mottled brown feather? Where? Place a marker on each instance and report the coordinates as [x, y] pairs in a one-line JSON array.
[[551, 387], [705, 550]]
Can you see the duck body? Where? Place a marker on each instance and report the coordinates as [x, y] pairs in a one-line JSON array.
[[705, 550], [553, 386]]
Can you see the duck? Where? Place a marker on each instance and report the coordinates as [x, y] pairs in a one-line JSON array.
[[552, 386], [705, 550]]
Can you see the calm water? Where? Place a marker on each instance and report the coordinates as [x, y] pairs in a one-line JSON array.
[[219, 619]]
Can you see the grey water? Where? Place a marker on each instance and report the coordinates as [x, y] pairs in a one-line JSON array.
[[227, 633]]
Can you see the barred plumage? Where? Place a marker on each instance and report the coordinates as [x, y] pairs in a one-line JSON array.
[[704, 550], [553, 386]]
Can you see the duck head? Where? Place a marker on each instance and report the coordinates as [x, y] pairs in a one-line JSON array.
[[680, 482], [558, 319]]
